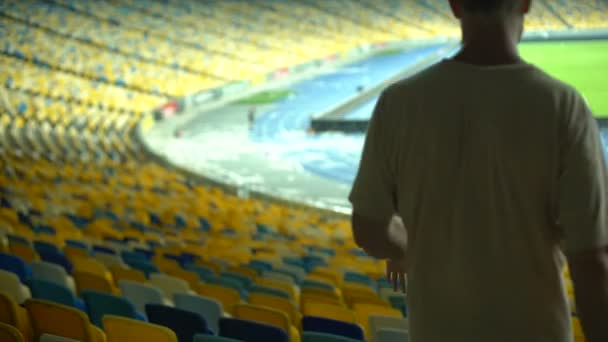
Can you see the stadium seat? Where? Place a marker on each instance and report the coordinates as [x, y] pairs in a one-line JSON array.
[[54, 292], [334, 312], [14, 315], [277, 303], [249, 331], [123, 273], [208, 308], [379, 322], [227, 296], [55, 338], [169, 285], [392, 335], [88, 281], [25, 252], [120, 329], [141, 294], [184, 323], [330, 326], [364, 311], [309, 336], [11, 286], [212, 338], [267, 315], [16, 265], [52, 272], [99, 304], [60, 320], [8, 333], [56, 258]]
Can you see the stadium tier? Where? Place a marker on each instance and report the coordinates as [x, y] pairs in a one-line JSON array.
[[96, 234]]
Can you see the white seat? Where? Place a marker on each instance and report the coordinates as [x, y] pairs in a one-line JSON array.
[[169, 285], [53, 273], [209, 308], [140, 294], [379, 322], [392, 335], [12, 287], [385, 293], [109, 260]]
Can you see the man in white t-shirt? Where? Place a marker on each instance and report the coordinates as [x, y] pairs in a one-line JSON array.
[[497, 171]]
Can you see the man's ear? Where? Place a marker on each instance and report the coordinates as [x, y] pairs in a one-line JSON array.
[[456, 8], [526, 5]]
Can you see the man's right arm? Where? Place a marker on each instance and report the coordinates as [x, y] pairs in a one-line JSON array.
[[589, 272], [583, 216]]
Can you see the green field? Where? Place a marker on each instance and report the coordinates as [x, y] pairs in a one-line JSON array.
[[266, 97], [583, 64]]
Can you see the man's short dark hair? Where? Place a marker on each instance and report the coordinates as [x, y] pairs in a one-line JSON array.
[[486, 6]]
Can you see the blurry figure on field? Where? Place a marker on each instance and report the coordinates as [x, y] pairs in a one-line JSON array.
[[498, 174], [251, 117]]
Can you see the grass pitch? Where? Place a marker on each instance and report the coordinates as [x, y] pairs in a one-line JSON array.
[[583, 64], [266, 97]]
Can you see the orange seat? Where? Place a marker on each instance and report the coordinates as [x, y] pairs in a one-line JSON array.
[[27, 253], [13, 314], [8, 333], [89, 281], [122, 273]]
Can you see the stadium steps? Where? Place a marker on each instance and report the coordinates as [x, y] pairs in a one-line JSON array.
[[553, 11]]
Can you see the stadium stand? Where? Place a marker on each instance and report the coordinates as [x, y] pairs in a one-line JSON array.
[[83, 209]]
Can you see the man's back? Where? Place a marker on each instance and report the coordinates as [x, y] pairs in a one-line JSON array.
[[476, 154]]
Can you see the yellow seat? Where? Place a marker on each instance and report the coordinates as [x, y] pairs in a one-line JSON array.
[[215, 267], [280, 304], [119, 329], [246, 272], [363, 311], [229, 297], [328, 274], [89, 281], [8, 333], [60, 320], [25, 252], [280, 285], [13, 314], [267, 316], [338, 313], [190, 277], [122, 273], [73, 253]]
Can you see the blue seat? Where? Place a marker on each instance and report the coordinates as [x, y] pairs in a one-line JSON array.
[[248, 331], [359, 278], [15, 264], [260, 265], [269, 290], [149, 253], [51, 272], [99, 304], [317, 285], [330, 326], [77, 244], [398, 302], [209, 308], [144, 266], [310, 336], [204, 273], [43, 246], [58, 259], [211, 338], [104, 249], [245, 282], [56, 293], [184, 323], [17, 239]]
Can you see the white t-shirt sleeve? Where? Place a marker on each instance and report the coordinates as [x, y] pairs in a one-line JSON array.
[[583, 181]]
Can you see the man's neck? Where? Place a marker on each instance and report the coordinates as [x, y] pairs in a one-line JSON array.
[[490, 46]]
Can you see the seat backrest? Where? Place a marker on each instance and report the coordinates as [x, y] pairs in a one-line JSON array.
[[50, 272], [90, 265], [25, 252], [122, 273], [269, 291], [263, 315], [88, 281], [100, 304], [364, 311], [58, 259], [120, 329], [55, 338], [56, 319], [143, 265], [211, 309], [377, 322], [311, 336], [227, 296], [46, 246], [249, 331], [330, 326], [212, 338], [12, 286], [334, 312], [391, 335], [184, 323], [8, 333], [276, 303], [46, 290], [169, 285], [15, 264], [272, 275], [140, 294], [108, 260]]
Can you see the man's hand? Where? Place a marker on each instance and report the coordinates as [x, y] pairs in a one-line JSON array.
[[396, 271]]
